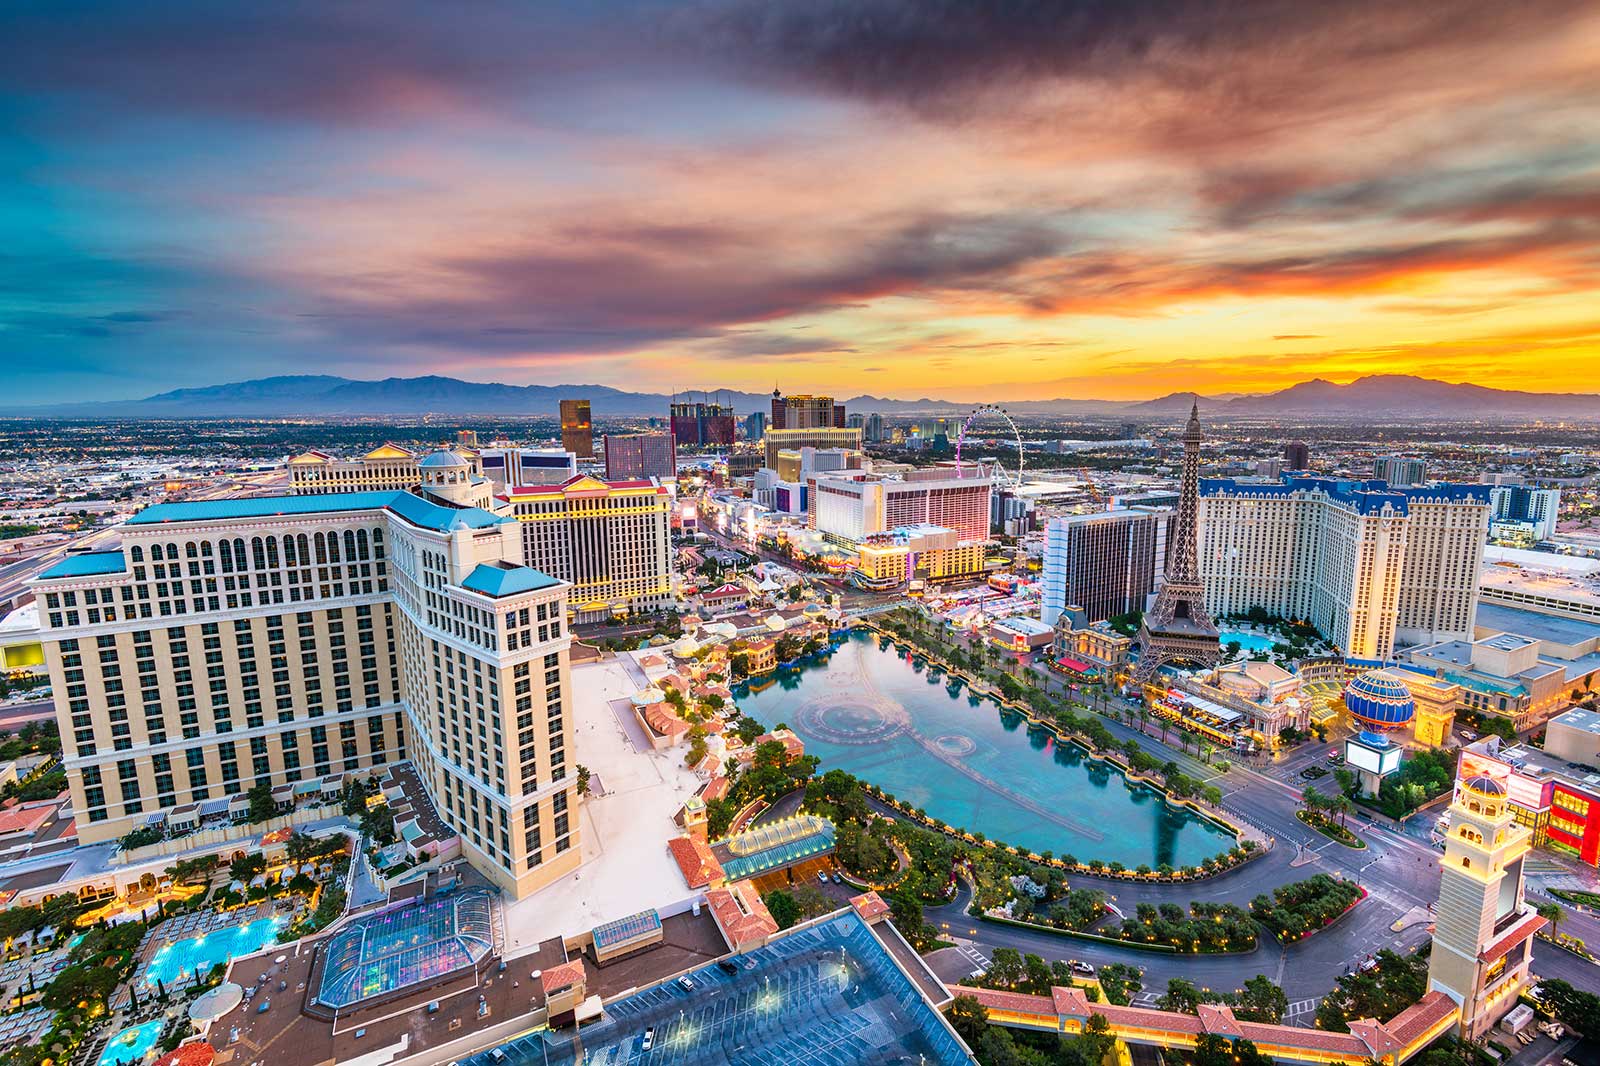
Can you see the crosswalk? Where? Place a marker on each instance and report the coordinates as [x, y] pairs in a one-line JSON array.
[[1299, 1008]]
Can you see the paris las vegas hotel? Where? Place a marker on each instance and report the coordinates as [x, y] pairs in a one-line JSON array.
[[289, 638]]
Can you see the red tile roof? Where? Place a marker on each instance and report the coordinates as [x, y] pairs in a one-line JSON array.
[[1218, 1019], [695, 861], [564, 976], [1292, 1036], [716, 788], [870, 906], [740, 914], [1502, 945], [1377, 1039], [1070, 1002], [1015, 1002], [1413, 1023]]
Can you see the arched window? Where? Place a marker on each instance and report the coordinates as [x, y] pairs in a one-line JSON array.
[[322, 549], [289, 556], [349, 545], [136, 554], [361, 545], [191, 550], [305, 549], [272, 552], [333, 547], [225, 553], [258, 553]]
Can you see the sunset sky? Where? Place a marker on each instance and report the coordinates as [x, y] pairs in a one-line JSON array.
[[964, 200]]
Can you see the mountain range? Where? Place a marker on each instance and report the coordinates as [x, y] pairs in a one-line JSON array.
[[1375, 397]]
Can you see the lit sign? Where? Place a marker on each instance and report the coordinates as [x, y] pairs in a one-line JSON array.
[[1373, 760]]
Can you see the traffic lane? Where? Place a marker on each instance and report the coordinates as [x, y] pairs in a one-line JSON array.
[[1553, 963]]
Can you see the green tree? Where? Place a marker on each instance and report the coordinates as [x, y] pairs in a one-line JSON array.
[[1261, 1001], [262, 807], [785, 911], [1120, 982], [1181, 995], [1552, 913], [968, 1018]]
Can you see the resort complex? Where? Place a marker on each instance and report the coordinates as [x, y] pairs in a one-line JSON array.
[[474, 755]]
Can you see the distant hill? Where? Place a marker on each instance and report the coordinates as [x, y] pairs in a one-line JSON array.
[[1378, 396]]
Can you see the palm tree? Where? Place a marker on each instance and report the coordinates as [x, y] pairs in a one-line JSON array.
[[1552, 913], [1343, 806], [1206, 751]]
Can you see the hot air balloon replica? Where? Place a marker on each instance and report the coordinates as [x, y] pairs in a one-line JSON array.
[[1381, 705]]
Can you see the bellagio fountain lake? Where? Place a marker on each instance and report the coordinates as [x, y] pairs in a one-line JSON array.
[[888, 717]]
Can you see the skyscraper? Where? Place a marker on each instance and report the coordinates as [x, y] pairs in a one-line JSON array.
[[304, 641], [632, 456], [1520, 511], [755, 425], [872, 429], [805, 412], [1400, 471], [697, 423], [577, 430], [1178, 628], [610, 539], [1296, 456], [1106, 563], [1368, 565]]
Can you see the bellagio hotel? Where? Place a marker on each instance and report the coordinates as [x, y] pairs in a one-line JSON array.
[[285, 639]]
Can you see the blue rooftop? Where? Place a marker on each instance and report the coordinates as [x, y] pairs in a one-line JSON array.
[[822, 994], [1364, 496], [411, 507], [87, 564], [505, 579]]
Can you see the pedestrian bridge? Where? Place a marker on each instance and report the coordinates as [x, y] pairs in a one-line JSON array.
[[1068, 1010]]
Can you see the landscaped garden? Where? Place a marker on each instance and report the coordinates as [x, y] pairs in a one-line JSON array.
[[1299, 909]]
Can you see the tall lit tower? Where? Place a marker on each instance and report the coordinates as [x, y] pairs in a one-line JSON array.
[[1177, 628], [1483, 931]]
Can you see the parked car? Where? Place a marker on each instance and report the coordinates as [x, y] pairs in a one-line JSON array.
[[649, 1039], [686, 984], [1082, 969]]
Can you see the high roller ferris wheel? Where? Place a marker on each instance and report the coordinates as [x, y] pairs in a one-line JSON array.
[[1003, 474]]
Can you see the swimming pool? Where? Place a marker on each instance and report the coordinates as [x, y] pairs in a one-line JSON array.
[[1248, 641], [180, 960], [880, 714], [132, 1045]]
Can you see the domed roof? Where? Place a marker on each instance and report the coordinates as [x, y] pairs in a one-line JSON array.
[[442, 460], [1484, 786], [1379, 700]]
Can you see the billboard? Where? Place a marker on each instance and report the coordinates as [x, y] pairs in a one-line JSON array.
[[1522, 790], [1378, 761]]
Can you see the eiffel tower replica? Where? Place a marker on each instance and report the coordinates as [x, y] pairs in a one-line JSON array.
[[1177, 628]]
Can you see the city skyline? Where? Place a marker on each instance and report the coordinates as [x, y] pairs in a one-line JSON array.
[[1115, 203]]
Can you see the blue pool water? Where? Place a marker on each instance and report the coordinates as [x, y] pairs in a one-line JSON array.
[[882, 715], [180, 959], [1248, 641], [132, 1045]]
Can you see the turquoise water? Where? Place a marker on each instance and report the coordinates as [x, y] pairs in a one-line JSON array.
[[1248, 641], [132, 1045], [882, 715], [179, 959]]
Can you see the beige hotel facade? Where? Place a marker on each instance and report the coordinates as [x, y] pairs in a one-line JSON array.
[[284, 639]]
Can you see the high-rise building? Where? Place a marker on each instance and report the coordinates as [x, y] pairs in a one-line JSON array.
[[1296, 456], [1522, 513], [755, 425], [696, 424], [777, 440], [270, 641], [1400, 471], [805, 412], [639, 456], [387, 466], [1106, 563], [1369, 566], [467, 438], [1483, 928], [1177, 628], [872, 428], [857, 421], [851, 508], [577, 428], [610, 539], [509, 468]]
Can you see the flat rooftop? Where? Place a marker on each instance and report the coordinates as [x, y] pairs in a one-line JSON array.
[[826, 992], [628, 817], [1536, 624], [1588, 721]]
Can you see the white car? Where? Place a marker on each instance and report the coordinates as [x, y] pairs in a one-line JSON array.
[[649, 1039]]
